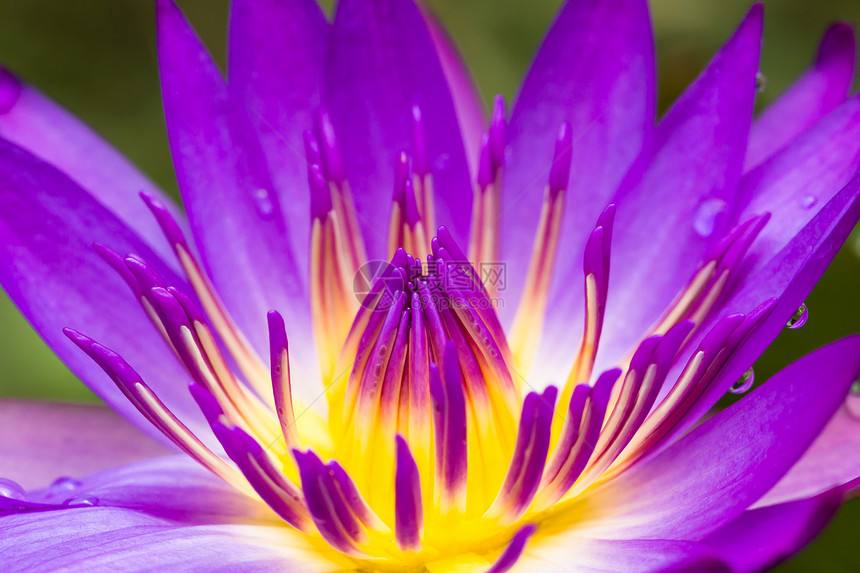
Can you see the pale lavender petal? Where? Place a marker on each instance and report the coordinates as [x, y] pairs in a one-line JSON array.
[[34, 122], [675, 202], [821, 89], [104, 538], [42, 441], [596, 71], [50, 270], [831, 462], [276, 58], [711, 475], [570, 551], [467, 101], [760, 539], [382, 62], [172, 487], [234, 213]]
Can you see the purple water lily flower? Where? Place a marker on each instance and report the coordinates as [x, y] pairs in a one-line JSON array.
[[388, 334]]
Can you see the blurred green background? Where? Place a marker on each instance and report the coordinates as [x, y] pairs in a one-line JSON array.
[[97, 58]]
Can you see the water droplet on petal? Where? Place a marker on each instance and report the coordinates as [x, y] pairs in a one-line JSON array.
[[263, 203], [760, 82], [808, 201], [88, 501], [744, 383], [10, 489], [64, 483], [707, 216], [799, 318]]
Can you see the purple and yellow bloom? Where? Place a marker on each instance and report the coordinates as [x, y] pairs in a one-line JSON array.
[[388, 333]]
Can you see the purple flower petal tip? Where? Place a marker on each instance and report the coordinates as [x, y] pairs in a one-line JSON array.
[[838, 45]]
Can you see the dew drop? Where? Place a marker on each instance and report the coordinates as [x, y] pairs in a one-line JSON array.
[[808, 201], [707, 215], [64, 483], [88, 501], [744, 383], [263, 203], [760, 82], [11, 490], [852, 401], [799, 318]]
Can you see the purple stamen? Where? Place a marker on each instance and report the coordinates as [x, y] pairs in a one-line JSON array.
[[636, 405], [412, 213], [598, 250], [559, 173], [476, 384], [449, 407], [148, 404], [535, 459], [419, 143], [166, 222], [529, 458], [571, 463], [281, 495], [392, 384], [444, 246], [435, 326], [321, 204], [312, 148], [280, 371], [332, 163], [329, 510], [741, 240], [514, 550], [486, 170], [496, 133], [348, 490], [208, 404], [117, 263], [417, 371], [374, 371], [693, 385], [143, 273], [175, 319], [402, 174], [188, 305], [570, 431], [408, 507]]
